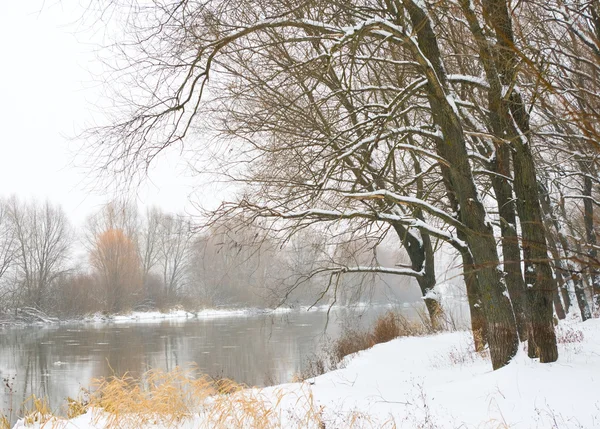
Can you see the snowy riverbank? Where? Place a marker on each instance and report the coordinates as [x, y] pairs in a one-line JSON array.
[[177, 314], [428, 382], [29, 316]]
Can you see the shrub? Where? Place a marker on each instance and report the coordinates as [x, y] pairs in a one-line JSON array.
[[386, 328], [350, 342], [568, 335]]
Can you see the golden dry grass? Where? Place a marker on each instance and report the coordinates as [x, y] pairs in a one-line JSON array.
[[4, 422], [37, 411], [169, 399]]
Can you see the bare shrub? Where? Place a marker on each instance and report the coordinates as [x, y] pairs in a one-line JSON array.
[[386, 328], [350, 342], [314, 366], [76, 295], [568, 335]]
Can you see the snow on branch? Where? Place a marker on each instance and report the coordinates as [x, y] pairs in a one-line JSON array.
[[376, 269], [401, 199]]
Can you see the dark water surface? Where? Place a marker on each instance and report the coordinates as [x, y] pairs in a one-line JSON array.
[[55, 361]]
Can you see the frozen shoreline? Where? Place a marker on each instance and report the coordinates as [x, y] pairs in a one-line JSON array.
[[179, 314], [147, 316]]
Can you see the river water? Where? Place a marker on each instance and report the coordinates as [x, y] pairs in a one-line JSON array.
[[56, 361]]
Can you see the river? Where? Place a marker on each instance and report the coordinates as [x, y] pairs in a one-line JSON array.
[[56, 361]]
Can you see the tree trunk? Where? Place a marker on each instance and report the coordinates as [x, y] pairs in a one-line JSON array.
[[558, 306], [502, 332], [421, 257], [515, 121], [575, 275], [478, 323], [511, 253], [590, 234]]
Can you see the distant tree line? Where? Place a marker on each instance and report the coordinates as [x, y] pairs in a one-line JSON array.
[[123, 260]]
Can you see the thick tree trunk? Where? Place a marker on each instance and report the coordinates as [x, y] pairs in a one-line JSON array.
[[538, 272], [511, 252], [515, 122], [478, 323], [502, 332]]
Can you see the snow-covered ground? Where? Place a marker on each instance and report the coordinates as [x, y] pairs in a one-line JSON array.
[[427, 382]]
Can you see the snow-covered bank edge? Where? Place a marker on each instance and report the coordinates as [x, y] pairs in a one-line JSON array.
[[434, 382], [179, 314]]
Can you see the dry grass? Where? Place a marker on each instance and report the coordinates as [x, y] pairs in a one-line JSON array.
[[38, 411], [169, 398], [164, 397], [386, 328], [351, 342], [4, 422]]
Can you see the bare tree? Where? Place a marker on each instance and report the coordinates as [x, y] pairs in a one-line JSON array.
[[43, 237], [8, 251], [111, 239], [174, 240], [148, 245]]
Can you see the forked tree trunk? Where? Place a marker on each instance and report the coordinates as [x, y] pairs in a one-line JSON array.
[[420, 253]]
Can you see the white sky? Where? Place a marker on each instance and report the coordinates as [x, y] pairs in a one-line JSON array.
[[47, 95]]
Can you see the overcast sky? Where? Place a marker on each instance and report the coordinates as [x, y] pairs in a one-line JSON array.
[[48, 94]]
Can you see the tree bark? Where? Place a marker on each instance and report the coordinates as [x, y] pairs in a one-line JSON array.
[[590, 234], [478, 322], [502, 332], [511, 253], [515, 121]]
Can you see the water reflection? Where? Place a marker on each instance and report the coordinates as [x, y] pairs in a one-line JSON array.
[[56, 361]]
